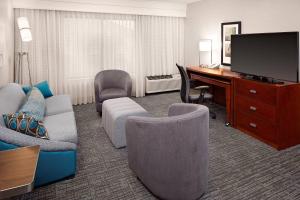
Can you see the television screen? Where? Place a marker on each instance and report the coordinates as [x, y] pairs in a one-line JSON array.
[[271, 55]]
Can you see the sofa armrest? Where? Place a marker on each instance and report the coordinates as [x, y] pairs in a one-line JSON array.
[[18, 139]]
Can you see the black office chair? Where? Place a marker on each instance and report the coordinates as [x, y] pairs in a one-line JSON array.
[[185, 95]]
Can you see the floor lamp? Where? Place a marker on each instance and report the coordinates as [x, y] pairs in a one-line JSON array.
[[26, 36], [205, 46]]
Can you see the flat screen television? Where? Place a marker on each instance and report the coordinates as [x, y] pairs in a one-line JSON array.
[[269, 55]]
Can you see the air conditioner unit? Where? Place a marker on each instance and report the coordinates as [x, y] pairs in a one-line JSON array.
[[164, 83]]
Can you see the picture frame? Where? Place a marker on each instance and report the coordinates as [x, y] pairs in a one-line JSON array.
[[228, 29]]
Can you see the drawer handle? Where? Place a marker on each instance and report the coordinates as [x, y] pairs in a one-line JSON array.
[[252, 108], [252, 91], [253, 125]]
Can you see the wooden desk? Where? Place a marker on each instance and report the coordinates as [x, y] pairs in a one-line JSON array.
[[268, 112], [222, 78], [17, 171]]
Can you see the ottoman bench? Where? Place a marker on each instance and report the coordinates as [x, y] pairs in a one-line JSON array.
[[114, 115]]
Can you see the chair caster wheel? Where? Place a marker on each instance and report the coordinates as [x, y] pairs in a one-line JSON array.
[[213, 115], [227, 124]]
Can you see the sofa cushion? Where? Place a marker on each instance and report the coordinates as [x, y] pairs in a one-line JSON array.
[[11, 98], [35, 105], [58, 104], [42, 86], [112, 93], [24, 123], [61, 127]]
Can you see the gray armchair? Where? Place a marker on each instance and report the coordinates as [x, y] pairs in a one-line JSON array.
[[110, 84], [170, 154]]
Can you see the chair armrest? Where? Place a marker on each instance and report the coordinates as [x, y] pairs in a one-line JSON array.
[[22, 140], [193, 83], [128, 86], [202, 87], [98, 86], [180, 108]]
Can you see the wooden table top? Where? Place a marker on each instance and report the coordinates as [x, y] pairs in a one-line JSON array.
[[221, 72], [17, 170]]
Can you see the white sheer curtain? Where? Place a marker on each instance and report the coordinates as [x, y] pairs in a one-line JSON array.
[[69, 48]]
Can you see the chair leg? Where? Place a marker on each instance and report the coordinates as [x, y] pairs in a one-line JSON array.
[[213, 115], [201, 101]]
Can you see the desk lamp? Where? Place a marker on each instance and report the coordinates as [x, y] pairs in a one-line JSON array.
[[205, 45]]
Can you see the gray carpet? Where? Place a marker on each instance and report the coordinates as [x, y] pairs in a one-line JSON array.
[[240, 167]]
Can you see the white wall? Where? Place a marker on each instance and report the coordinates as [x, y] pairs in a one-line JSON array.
[[137, 7], [204, 20], [6, 42]]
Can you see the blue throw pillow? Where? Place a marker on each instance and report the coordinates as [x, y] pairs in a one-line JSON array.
[[35, 105], [42, 86], [25, 124], [26, 89]]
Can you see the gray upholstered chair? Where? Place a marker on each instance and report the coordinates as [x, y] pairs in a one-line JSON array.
[[170, 154], [110, 84]]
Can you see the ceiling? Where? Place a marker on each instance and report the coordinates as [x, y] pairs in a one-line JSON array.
[[173, 1], [170, 1], [173, 8]]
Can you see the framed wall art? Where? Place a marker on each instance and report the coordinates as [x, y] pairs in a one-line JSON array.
[[227, 30]]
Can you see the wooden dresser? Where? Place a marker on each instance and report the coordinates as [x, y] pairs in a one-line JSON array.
[[268, 112]]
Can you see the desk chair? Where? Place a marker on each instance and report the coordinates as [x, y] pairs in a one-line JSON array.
[[185, 95]]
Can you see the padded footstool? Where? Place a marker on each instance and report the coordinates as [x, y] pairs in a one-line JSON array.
[[114, 115]]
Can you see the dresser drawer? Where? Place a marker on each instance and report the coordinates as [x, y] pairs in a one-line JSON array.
[[256, 109], [261, 128], [257, 91]]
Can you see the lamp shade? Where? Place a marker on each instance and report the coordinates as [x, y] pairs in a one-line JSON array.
[[24, 28], [26, 35], [205, 45], [23, 23]]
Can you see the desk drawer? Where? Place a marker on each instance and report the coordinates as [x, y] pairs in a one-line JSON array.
[[261, 128], [256, 109], [257, 91]]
